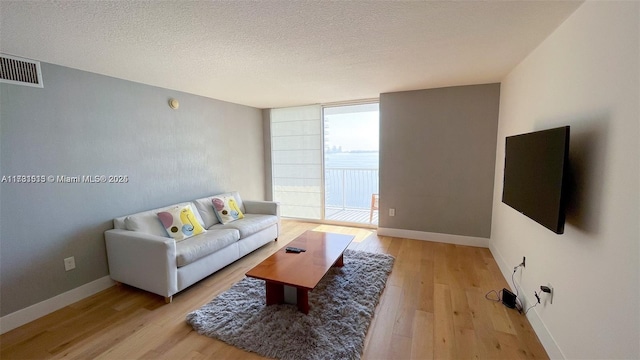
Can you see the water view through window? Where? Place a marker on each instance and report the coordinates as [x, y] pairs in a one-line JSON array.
[[351, 158]]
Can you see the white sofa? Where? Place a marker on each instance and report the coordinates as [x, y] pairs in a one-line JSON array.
[[141, 253]]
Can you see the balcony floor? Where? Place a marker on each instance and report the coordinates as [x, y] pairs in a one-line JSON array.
[[360, 216]]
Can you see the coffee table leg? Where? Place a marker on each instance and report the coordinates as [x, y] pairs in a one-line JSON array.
[[303, 300], [275, 293], [339, 262]]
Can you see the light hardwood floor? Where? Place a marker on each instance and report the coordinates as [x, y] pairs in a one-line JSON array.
[[433, 306]]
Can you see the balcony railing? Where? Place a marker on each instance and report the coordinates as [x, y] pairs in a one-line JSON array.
[[350, 188]]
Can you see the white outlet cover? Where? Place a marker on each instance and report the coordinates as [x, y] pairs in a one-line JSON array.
[[69, 263]]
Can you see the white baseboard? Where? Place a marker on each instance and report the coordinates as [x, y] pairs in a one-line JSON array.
[[33, 312], [437, 237], [548, 342]]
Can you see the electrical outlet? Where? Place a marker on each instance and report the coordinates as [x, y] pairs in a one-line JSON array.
[[392, 212], [548, 291], [69, 263]]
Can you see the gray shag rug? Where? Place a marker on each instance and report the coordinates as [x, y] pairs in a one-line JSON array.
[[341, 308]]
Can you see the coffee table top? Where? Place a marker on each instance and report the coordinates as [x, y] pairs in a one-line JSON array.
[[306, 269]]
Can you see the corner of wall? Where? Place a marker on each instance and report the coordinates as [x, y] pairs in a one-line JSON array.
[[548, 342], [266, 131]]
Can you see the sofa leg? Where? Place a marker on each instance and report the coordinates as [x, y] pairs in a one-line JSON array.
[[168, 299]]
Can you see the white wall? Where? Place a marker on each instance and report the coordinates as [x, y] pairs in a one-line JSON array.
[[586, 75]]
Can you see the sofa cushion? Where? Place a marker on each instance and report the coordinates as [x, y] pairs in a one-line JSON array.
[[148, 222], [208, 214], [180, 222], [251, 224], [196, 247]]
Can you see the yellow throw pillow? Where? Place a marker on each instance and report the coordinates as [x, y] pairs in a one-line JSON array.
[[180, 223], [227, 209]]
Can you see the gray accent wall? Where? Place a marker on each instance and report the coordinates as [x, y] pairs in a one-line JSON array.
[[437, 159], [268, 173], [84, 124]]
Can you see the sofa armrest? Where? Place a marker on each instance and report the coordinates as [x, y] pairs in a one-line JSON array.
[[262, 207], [266, 208], [142, 260]]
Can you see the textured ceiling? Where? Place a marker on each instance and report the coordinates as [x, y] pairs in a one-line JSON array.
[[280, 53]]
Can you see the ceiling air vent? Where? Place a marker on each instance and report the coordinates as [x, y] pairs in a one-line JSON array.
[[19, 71]]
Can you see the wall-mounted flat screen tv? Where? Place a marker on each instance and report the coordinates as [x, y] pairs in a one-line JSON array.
[[535, 176]]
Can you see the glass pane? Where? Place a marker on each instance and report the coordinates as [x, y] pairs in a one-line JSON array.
[[351, 136]]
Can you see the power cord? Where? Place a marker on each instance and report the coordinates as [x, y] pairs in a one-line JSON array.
[[499, 294], [519, 306], [534, 305]]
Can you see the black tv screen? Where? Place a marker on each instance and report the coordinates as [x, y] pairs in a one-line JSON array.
[[535, 175]]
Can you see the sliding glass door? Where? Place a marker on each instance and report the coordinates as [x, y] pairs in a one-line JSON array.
[[325, 162], [351, 144]]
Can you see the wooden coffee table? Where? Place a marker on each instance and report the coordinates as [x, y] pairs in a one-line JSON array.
[[289, 276]]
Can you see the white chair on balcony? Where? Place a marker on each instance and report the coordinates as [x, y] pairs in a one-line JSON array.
[[374, 206]]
